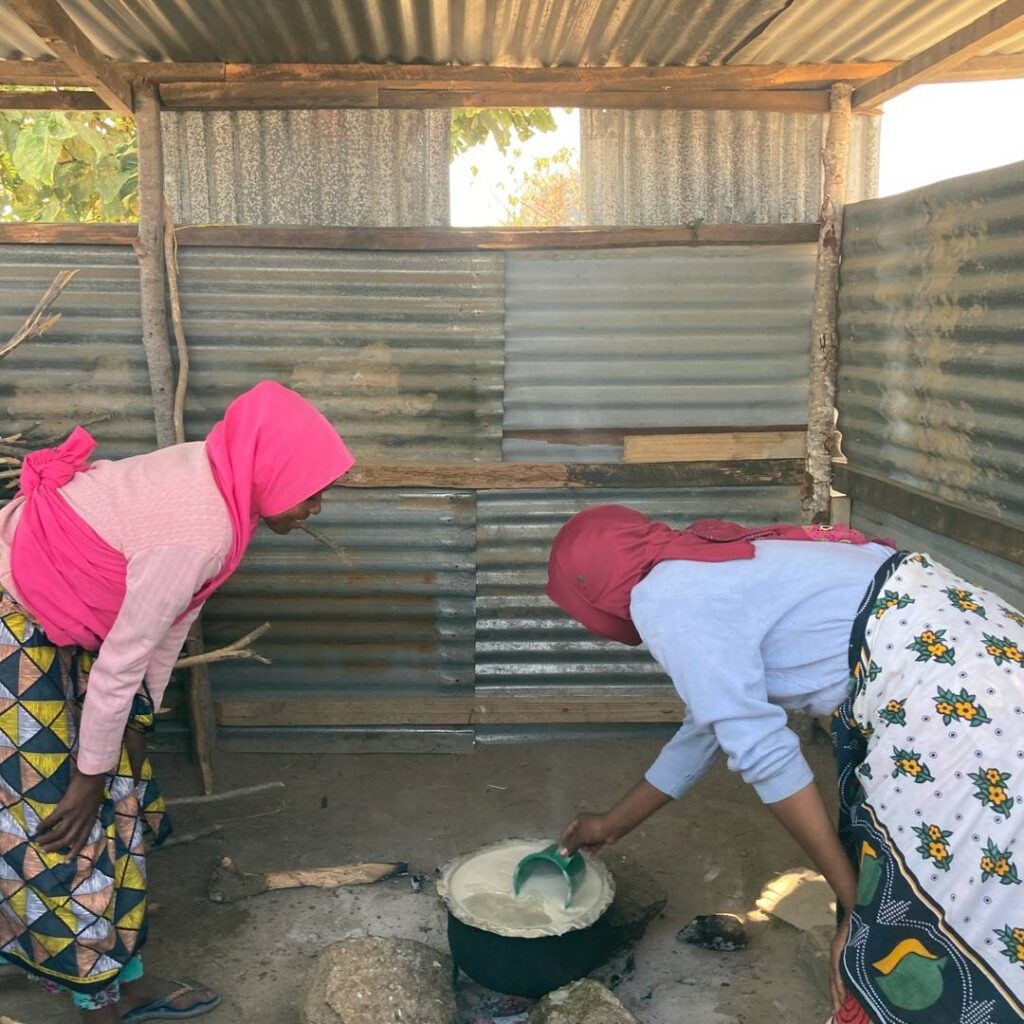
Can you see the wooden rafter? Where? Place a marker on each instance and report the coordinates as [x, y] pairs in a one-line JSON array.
[[51, 101], [1001, 23], [55, 28]]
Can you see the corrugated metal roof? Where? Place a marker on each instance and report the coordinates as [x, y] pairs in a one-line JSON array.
[[681, 167], [524, 643], [841, 30], [383, 168], [511, 32], [675, 337], [931, 321], [394, 618], [403, 351]]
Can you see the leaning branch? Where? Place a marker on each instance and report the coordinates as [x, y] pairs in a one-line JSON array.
[[239, 649], [37, 323]]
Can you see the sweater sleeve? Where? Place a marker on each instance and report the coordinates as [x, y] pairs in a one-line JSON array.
[[160, 584], [165, 654], [712, 652]]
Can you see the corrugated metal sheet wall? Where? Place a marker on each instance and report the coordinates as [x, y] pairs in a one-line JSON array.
[[932, 339], [343, 167], [683, 167], [676, 337], [523, 642], [404, 351]]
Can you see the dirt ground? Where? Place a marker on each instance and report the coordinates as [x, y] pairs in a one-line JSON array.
[[712, 851]]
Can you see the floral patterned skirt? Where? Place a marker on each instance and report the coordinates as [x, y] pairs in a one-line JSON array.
[[930, 751], [74, 924]]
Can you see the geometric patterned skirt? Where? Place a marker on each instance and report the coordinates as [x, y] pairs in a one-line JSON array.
[[75, 924], [930, 756]]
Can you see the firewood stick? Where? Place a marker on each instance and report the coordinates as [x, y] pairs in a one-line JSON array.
[[229, 794], [228, 884], [238, 649], [35, 325]]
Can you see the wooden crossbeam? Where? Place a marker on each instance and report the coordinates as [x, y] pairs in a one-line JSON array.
[[55, 28], [51, 101], [1001, 23]]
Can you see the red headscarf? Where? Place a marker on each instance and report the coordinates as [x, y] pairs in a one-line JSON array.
[[271, 450], [603, 552]]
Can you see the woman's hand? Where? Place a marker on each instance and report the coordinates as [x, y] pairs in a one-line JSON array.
[[835, 976], [69, 825], [588, 832]]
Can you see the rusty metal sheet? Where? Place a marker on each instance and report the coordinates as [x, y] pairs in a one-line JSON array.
[[402, 351], [393, 617], [931, 321], [524, 643]]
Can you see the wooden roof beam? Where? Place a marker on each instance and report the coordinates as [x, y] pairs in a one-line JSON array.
[[51, 101], [73, 47], [1001, 23]]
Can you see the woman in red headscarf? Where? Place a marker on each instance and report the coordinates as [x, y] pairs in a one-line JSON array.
[[922, 675], [103, 568]]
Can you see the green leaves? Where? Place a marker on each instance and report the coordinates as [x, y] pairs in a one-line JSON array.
[[472, 126], [67, 166], [39, 147]]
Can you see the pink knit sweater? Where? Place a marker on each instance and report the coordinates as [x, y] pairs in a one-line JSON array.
[[163, 511]]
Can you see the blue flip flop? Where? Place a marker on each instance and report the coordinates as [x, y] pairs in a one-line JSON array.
[[160, 1009]]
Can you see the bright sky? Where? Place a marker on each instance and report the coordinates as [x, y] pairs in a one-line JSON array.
[[481, 199], [930, 133], [941, 131]]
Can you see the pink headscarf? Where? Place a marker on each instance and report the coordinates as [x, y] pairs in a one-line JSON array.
[[271, 451], [603, 552]]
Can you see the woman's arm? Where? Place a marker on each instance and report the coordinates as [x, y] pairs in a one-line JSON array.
[[590, 832]]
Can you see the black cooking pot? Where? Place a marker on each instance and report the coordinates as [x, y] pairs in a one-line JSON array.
[[526, 967], [524, 959]]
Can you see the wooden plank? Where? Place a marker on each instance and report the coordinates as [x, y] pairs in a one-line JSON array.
[[334, 94], [470, 78], [984, 532], [793, 101], [455, 239], [574, 79], [715, 447], [1001, 23], [68, 234], [53, 25], [51, 101], [557, 475], [662, 706], [815, 503], [421, 239], [268, 95]]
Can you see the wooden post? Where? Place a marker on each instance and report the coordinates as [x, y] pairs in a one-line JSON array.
[[815, 496], [155, 264], [149, 247]]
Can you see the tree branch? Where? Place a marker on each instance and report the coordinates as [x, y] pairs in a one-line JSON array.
[[238, 649], [36, 324]]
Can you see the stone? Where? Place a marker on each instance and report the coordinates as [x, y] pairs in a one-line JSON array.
[[375, 980], [582, 1002], [722, 932], [639, 899]]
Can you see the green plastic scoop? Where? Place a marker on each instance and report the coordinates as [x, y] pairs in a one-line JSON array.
[[571, 868]]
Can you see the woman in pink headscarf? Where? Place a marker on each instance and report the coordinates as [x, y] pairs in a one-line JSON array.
[[922, 676], [103, 568]]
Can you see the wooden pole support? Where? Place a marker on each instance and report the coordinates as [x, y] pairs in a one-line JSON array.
[[149, 247], [821, 410]]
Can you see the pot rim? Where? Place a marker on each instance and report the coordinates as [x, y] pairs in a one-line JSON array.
[[586, 920]]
